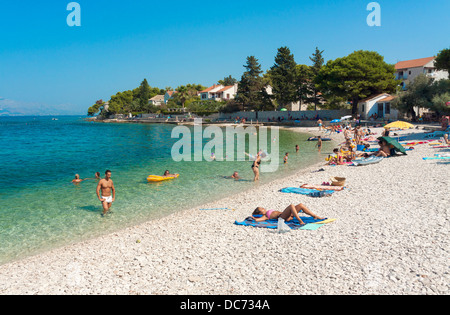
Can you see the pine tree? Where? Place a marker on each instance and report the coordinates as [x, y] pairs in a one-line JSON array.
[[251, 85], [357, 76], [318, 61], [228, 81], [283, 76], [144, 95]]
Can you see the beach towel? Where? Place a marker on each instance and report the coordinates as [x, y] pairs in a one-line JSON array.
[[273, 224], [307, 192]]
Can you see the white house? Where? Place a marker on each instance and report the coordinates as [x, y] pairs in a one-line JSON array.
[[219, 92], [410, 69], [157, 100], [377, 107], [168, 96]]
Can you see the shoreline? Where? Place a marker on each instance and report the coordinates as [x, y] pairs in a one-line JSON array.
[[45, 249], [203, 252]]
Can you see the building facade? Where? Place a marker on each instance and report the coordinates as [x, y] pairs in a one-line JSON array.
[[408, 70]]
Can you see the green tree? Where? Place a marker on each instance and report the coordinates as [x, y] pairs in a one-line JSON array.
[[303, 82], [357, 76], [187, 93], [94, 109], [228, 81], [144, 95], [283, 77], [440, 96], [121, 102], [419, 94], [442, 61], [249, 94], [313, 92]]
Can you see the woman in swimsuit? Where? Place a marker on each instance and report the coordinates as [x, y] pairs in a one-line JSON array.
[[287, 215], [255, 167]]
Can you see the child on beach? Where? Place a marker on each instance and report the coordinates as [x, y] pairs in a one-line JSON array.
[[286, 157], [319, 143], [337, 158], [287, 215], [297, 148]]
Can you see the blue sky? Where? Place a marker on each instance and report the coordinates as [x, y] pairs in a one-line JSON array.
[[47, 66]]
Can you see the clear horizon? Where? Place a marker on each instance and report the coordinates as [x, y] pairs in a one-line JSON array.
[[49, 68]]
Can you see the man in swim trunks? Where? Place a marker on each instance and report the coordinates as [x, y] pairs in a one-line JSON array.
[[106, 185]]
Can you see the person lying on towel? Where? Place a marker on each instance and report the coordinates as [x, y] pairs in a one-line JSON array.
[[287, 215]]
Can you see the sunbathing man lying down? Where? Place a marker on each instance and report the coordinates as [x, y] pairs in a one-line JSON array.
[[287, 215]]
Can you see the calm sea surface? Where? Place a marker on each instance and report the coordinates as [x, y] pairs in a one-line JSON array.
[[41, 209]]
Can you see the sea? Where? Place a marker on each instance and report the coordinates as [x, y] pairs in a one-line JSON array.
[[41, 209]]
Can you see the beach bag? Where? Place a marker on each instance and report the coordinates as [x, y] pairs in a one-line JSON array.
[[338, 181], [319, 194], [282, 226]]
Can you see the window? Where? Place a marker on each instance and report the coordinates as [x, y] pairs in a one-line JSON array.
[[387, 108], [228, 96]]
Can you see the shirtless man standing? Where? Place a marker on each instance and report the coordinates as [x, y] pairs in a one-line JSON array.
[[106, 185]]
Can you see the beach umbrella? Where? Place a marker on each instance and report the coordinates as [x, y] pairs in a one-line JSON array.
[[284, 110], [399, 125], [346, 117], [392, 142], [335, 121]]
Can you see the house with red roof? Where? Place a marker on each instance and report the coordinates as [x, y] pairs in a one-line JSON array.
[[219, 92], [408, 70], [168, 96]]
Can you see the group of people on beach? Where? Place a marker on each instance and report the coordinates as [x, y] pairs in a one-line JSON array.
[[106, 192]]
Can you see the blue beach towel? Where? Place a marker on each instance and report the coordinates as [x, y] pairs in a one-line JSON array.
[[305, 191], [273, 224]]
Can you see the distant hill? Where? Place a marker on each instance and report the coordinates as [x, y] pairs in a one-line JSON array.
[[15, 108]]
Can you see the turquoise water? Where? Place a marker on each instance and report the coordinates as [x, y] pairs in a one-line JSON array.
[[41, 209]]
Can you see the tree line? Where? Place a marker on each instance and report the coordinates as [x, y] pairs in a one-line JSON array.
[[339, 83]]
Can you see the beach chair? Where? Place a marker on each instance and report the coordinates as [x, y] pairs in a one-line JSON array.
[[438, 133]]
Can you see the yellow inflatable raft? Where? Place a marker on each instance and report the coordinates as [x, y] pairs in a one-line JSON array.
[[156, 178]]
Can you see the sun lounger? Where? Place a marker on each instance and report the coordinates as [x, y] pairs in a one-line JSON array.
[[438, 133]]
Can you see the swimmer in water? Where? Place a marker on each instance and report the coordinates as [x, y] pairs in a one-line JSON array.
[[167, 174], [77, 179]]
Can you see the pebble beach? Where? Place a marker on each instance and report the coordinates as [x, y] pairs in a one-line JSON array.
[[390, 237]]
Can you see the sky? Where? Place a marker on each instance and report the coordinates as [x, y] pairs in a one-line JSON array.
[[47, 67]]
